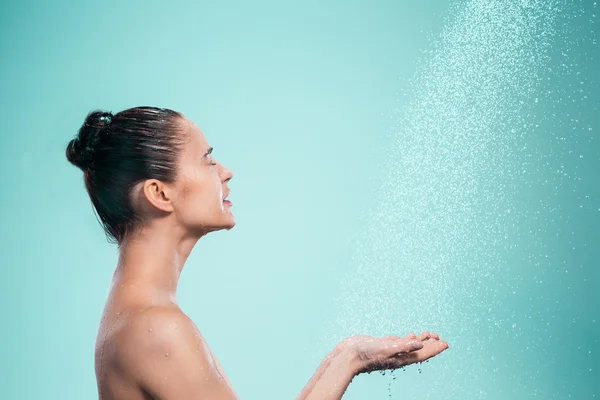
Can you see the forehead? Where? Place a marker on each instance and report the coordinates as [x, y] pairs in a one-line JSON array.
[[197, 143]]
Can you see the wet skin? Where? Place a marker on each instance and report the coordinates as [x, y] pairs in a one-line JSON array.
[[147, 348]]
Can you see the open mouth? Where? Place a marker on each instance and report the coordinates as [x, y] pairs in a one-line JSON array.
[[225, 201]]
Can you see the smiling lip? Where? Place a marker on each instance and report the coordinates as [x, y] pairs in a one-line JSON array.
[[227, 202]]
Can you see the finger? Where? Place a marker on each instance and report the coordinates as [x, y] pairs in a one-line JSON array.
[[435, 336], [410, 336], [406, 346], [430, 349], [424, 336]]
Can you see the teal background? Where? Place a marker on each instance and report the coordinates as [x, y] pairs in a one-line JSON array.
[[302, 102]]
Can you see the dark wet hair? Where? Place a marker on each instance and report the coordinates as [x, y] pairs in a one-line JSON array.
[[116, 152]]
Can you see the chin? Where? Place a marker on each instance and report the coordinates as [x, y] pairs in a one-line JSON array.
[[227, 222], [230, 224]]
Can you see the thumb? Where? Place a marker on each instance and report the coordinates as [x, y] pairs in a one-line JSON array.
[[405, 346]]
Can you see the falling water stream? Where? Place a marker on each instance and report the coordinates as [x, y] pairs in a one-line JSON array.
[[485, 170]]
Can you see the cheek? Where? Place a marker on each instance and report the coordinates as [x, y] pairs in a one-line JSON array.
[[203, 191], [191, 184]]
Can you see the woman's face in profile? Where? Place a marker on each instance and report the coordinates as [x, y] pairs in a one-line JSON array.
[[201, 186]]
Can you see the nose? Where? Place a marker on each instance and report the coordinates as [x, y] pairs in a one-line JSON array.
[[226, 174]]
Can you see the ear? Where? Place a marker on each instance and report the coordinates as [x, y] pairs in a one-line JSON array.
[[158, 194]]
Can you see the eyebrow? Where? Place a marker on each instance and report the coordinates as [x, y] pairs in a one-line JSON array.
[[210, 149]]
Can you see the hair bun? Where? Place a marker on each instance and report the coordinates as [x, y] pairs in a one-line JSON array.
[[80, 151]]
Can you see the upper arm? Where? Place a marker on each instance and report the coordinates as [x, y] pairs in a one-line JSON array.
[[170, 360]]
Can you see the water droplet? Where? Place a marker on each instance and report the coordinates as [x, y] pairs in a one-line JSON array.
[[150, 330], [167, 355]]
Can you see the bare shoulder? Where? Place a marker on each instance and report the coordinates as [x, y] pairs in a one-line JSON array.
[[158, 331], [157, 324], [163, 351]]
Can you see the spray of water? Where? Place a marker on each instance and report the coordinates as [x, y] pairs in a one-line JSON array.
[[445, 178], [447, 213]]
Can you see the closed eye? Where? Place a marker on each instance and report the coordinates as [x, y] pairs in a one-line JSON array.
[[208, 153], [208, 156]]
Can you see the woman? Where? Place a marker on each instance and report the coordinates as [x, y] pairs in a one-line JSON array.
[[157, 189]]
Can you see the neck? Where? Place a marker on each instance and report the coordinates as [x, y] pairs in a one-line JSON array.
[[150, 263]]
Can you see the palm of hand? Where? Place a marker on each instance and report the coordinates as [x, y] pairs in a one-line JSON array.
[[392, 352]]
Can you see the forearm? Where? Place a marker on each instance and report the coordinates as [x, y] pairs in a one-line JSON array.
[[317, 375], [332, 378]]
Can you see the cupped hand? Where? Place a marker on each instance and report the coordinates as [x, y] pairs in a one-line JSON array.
[[392, 352]]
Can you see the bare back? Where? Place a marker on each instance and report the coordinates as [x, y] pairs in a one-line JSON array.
[[155, 353]]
